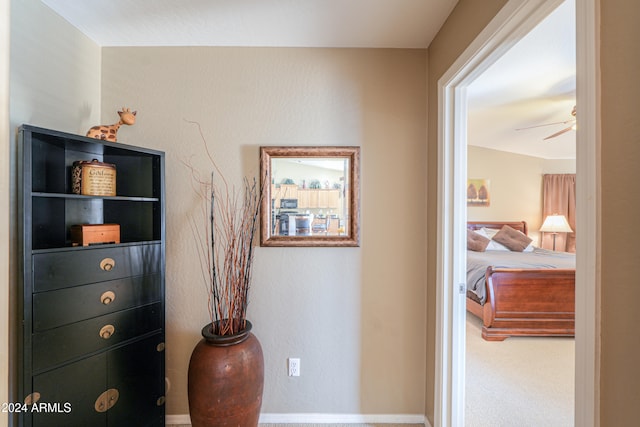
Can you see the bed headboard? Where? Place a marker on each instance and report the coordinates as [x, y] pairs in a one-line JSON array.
[[518, 225]]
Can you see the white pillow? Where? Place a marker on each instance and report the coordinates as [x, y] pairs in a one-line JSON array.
[[490, 232], [481, 232], [495, 246]]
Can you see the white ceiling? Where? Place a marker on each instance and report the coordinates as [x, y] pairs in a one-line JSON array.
[[282, 23], [533, 83]]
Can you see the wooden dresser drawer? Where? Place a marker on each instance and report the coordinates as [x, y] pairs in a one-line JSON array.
[[63, 306], [63, 269], [58, 345]]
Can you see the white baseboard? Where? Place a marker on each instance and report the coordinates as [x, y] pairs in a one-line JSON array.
[[341, 418], [178, 420], [307, 418]]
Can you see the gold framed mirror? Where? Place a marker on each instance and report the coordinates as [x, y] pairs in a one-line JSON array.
[[311, 196]]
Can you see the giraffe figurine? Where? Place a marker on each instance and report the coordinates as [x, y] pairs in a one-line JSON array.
[[109, 133]]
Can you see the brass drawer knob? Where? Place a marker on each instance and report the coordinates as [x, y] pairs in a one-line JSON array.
[[107, 400], [107, 331], [107, 264], [160, 401], [107, 297], [32, 398], [160, 347]]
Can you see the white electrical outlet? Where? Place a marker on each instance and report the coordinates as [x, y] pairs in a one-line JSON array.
[[294, 367]]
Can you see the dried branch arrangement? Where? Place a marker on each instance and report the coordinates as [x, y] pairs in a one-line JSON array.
[[224, 231]]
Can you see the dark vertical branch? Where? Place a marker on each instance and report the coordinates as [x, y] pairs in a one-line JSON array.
[[212, 262]]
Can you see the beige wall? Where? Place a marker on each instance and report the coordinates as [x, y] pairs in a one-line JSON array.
[[465, 22], [354, 316], [620, 157], [515, 185], [55, 71], [5, 199]]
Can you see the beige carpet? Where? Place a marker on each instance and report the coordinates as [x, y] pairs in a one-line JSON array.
[[341, 425], [328, 425], [518, 382]]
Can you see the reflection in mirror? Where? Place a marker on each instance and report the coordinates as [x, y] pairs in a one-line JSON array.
[[312, 196]]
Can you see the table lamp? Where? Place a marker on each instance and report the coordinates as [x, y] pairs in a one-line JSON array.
[[555, 224]]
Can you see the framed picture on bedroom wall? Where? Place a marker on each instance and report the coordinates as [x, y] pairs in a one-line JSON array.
[[478, 192]]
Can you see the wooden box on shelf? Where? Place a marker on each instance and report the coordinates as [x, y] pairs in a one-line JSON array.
[[93, 234]]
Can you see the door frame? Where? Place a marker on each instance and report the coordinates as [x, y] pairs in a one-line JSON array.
[[513, 21]]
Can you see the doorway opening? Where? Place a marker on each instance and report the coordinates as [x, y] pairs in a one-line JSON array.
[[524, 97], [515, 20]]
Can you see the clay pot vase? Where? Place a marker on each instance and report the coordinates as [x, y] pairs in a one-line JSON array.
[[226, 378]]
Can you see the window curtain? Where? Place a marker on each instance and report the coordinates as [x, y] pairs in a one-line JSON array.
[[559, 197]]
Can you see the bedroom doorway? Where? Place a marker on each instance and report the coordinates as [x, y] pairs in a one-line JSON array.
[[512, 22], [507, 164]]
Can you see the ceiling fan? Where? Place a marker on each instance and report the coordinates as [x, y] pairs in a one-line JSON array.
[[565, 130]]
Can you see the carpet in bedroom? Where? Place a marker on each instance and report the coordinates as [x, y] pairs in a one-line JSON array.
[[520, 382], [324, 425]]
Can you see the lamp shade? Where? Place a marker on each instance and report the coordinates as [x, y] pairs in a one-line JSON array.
[[556, 224]]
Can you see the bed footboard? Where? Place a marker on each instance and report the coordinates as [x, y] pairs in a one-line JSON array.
[[527, 302]]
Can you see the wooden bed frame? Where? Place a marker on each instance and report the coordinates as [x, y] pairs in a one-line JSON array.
[[525, 302]]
